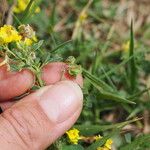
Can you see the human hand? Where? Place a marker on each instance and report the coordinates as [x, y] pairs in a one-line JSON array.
[[37, 120]]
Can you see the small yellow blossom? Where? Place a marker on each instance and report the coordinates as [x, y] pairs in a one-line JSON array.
[[30, 41], [73, 136], [126, 46], [98, 137], [108, 143], [8, 34], [21, 6]]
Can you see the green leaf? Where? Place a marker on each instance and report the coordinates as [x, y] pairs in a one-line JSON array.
[[135, 112], [94, 129], [60, 46], [35, 87], [1, 48], [106, 92], [99, 82], [138, 143], [128, 137], [72, 147], [36, 46], [115, 97], [17, 21], [115, 68], [139, 93]]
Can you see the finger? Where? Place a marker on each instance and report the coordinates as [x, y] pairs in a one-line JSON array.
[[40, 118], [6, 105], [3, 70], [54, 72], [15, 84]]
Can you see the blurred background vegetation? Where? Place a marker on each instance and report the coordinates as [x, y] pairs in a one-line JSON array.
[[116, 62]]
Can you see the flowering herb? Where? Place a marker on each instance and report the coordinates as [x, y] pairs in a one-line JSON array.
[[21, 48]]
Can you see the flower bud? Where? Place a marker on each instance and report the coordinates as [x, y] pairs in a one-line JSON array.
[[26, 31], [74, 70], [70, 60]]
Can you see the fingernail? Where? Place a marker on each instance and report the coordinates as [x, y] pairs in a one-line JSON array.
[[60, 101]]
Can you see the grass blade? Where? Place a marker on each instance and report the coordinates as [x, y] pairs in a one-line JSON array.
[[101, 83], [134, 112], [27, 11], [60, 46], [132, 65], [139, 93], [106, 92], [30, 10], [94, 129], [138, 144]]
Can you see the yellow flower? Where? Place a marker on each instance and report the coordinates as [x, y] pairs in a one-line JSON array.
[[30, 41], [21, 6], [108, 143], [98, 137], [73, 136], [125, 46], [8, 34]]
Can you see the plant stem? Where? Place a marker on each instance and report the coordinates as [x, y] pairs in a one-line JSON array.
[[7, 50], [38, 76]]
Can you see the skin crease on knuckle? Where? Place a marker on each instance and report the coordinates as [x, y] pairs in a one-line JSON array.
[[25, 132]]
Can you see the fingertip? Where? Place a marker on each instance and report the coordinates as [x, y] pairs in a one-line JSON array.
[[15, 84], [65, 96], [75, 87], [52, 72], [55, 72]]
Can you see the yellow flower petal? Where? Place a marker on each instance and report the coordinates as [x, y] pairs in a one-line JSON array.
[[98, 137], [108, 143], [8, 34], [73, 136]]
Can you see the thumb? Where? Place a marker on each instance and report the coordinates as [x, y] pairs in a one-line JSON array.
[[40, 118]]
